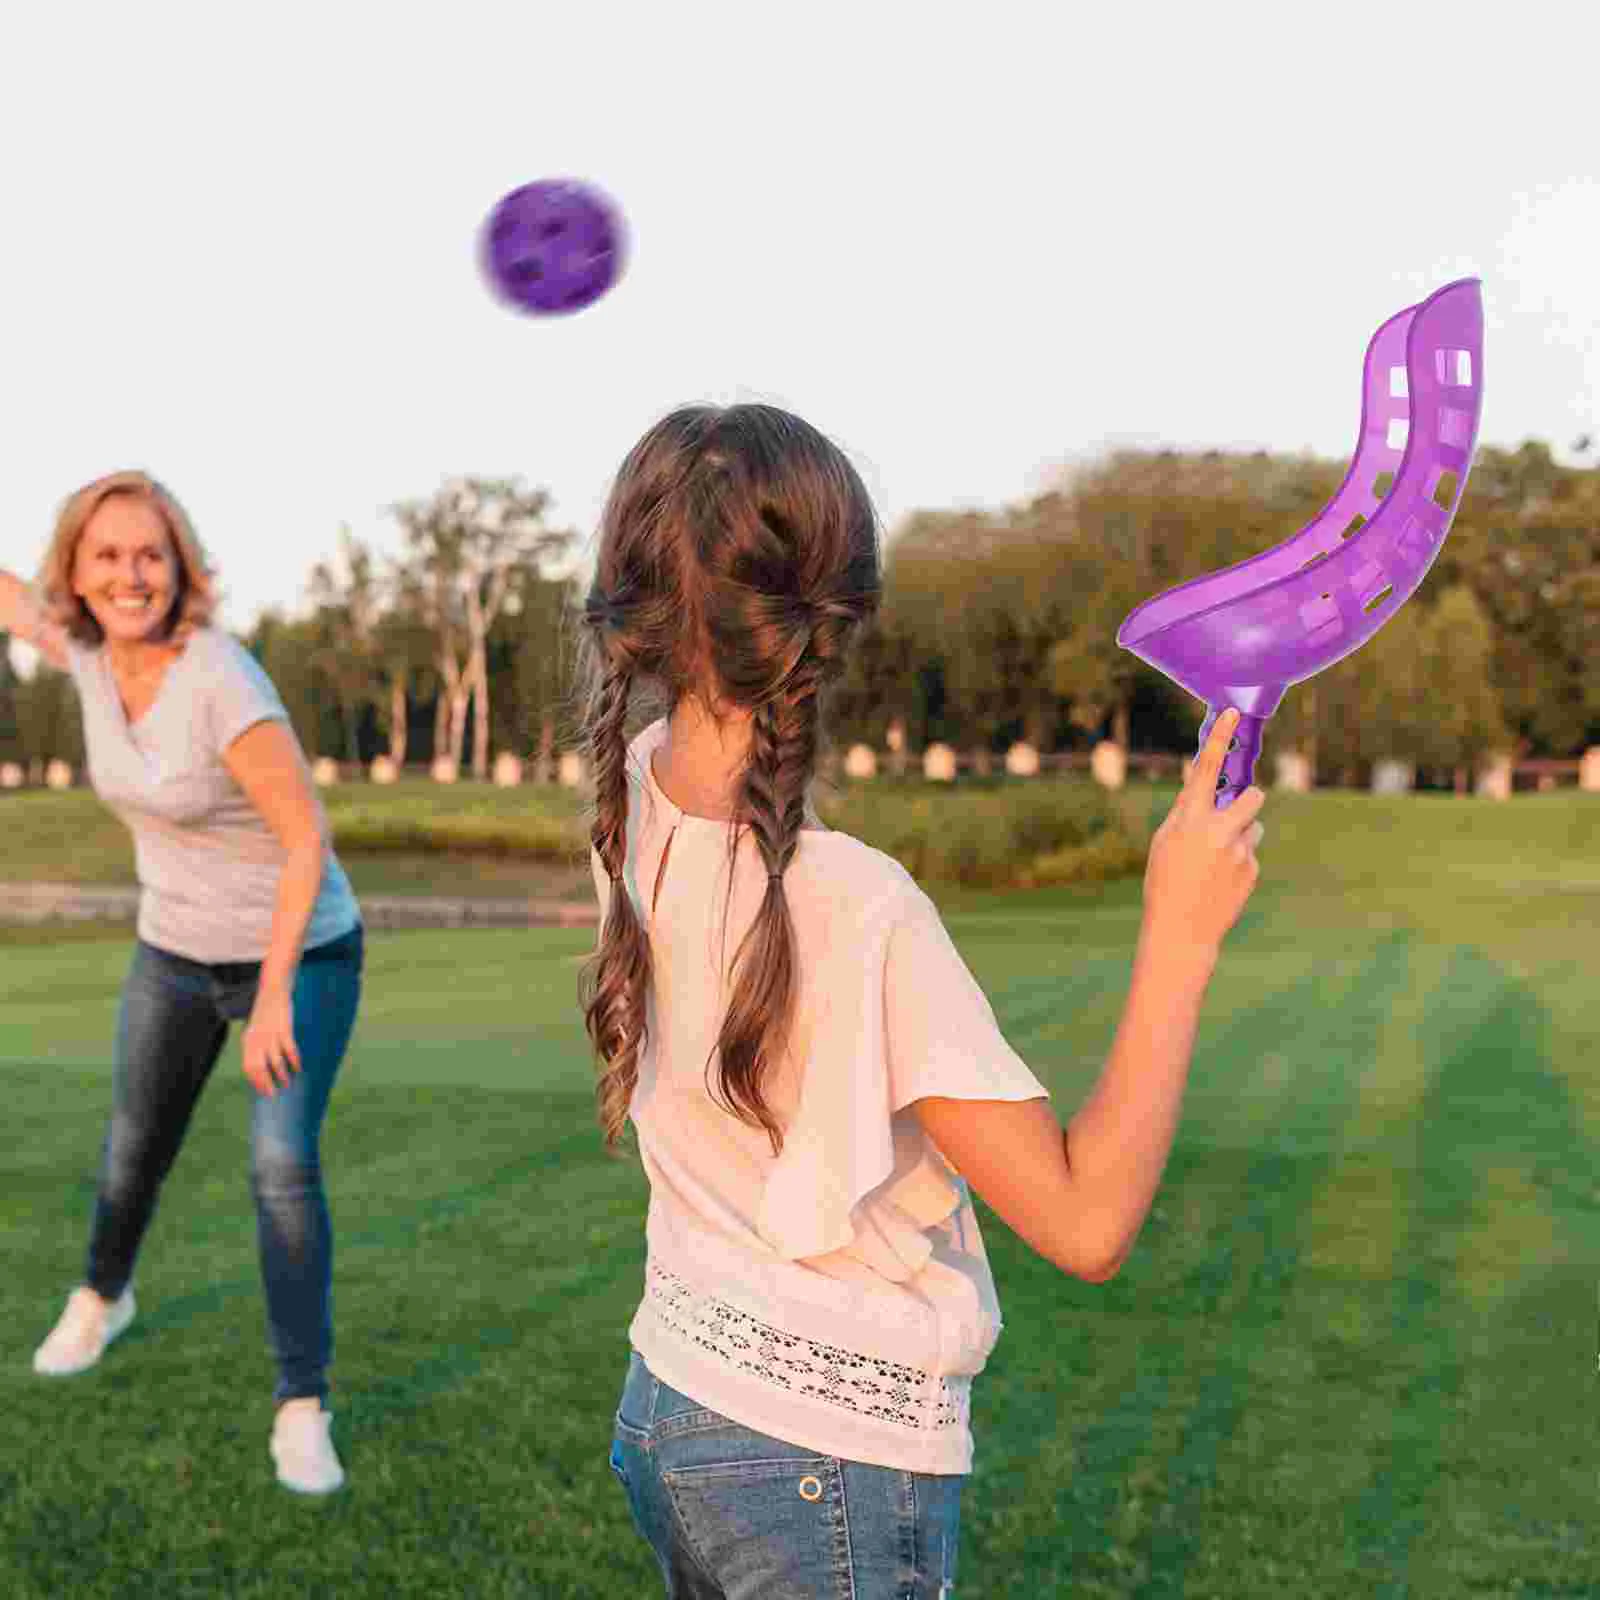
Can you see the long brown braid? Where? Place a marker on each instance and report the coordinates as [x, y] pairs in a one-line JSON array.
[[738, 556], [614, 1016], [756, 1027]]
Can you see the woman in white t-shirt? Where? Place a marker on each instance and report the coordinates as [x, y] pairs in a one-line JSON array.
[[245, 915], [814, 1077]]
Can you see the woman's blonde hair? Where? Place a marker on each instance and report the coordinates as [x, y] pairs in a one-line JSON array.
[[196, 598], [738, 554]]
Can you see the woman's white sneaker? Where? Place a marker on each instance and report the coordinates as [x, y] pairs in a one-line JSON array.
[[79, 1339], [303, 1450]]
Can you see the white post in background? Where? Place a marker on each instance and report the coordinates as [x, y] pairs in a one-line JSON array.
[[1494, 779], [1294, 772], [1022, 760], [861, 762], [1108, 761], [1393, 777]]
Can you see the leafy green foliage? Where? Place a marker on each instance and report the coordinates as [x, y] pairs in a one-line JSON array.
[[995, 625]]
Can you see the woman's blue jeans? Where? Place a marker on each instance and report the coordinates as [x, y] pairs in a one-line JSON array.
[[733, 1514], [171, 1027]]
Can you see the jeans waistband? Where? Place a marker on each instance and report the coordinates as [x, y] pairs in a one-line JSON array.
[[340, 949], [347, 947]]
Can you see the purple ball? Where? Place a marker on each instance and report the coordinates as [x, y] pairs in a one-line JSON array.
[[554, 246]]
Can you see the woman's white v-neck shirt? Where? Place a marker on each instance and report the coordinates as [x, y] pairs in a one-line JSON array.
[[207, 862]]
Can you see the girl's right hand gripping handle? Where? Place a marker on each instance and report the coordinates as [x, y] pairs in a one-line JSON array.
[[1239, 765]]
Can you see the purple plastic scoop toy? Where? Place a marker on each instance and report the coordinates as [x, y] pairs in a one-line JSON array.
[[1241, 636]]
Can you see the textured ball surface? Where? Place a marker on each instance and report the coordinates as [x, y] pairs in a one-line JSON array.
[[554, 246]]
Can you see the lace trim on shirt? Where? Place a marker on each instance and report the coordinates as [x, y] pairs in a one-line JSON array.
[[868, 1385]]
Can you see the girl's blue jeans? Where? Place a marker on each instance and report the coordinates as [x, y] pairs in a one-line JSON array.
[[733, 1514], [171, 1026]]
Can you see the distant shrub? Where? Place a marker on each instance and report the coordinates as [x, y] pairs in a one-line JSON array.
[[999, 834], [1109, 855], [533, 838]]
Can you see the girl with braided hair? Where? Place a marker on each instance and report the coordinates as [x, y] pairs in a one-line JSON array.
[[814, 1077]]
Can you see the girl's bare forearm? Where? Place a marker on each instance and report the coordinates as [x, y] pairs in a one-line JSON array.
[[1119, 1140]]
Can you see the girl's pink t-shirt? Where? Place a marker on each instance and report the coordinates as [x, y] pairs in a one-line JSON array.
[[837, 1296]]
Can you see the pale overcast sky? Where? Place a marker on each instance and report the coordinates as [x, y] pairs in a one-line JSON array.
[[967, 242]]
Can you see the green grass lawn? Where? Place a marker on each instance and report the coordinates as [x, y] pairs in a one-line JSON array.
[[1353, 1353]]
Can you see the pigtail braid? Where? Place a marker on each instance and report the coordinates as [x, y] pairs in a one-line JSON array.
[[755, 1030], [618, 976]]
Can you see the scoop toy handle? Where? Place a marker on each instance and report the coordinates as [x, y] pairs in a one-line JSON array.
[[1244, 750]]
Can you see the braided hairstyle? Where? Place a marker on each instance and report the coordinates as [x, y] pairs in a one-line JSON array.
[[738, 555]]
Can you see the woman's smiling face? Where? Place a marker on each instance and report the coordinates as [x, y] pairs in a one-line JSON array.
[[126, 569]]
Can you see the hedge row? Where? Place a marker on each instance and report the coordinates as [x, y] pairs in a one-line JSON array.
[[1001, 835]]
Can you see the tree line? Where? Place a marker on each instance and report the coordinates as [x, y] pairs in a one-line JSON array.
[[996, 625]]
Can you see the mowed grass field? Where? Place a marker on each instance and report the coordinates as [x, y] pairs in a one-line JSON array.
[[1353, 1354]]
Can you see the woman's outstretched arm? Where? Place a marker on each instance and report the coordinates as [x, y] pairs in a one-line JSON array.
[[21, 617]]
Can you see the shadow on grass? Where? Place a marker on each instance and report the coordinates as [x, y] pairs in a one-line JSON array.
[[1261, 1216], [1270, 1206], [398, 1235], [1492, 1099]]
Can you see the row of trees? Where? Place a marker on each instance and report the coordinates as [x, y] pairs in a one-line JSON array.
[[995, 625], [1017, 612]]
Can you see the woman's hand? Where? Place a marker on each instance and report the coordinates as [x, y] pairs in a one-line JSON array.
[[270, 1056], [21, 617]]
